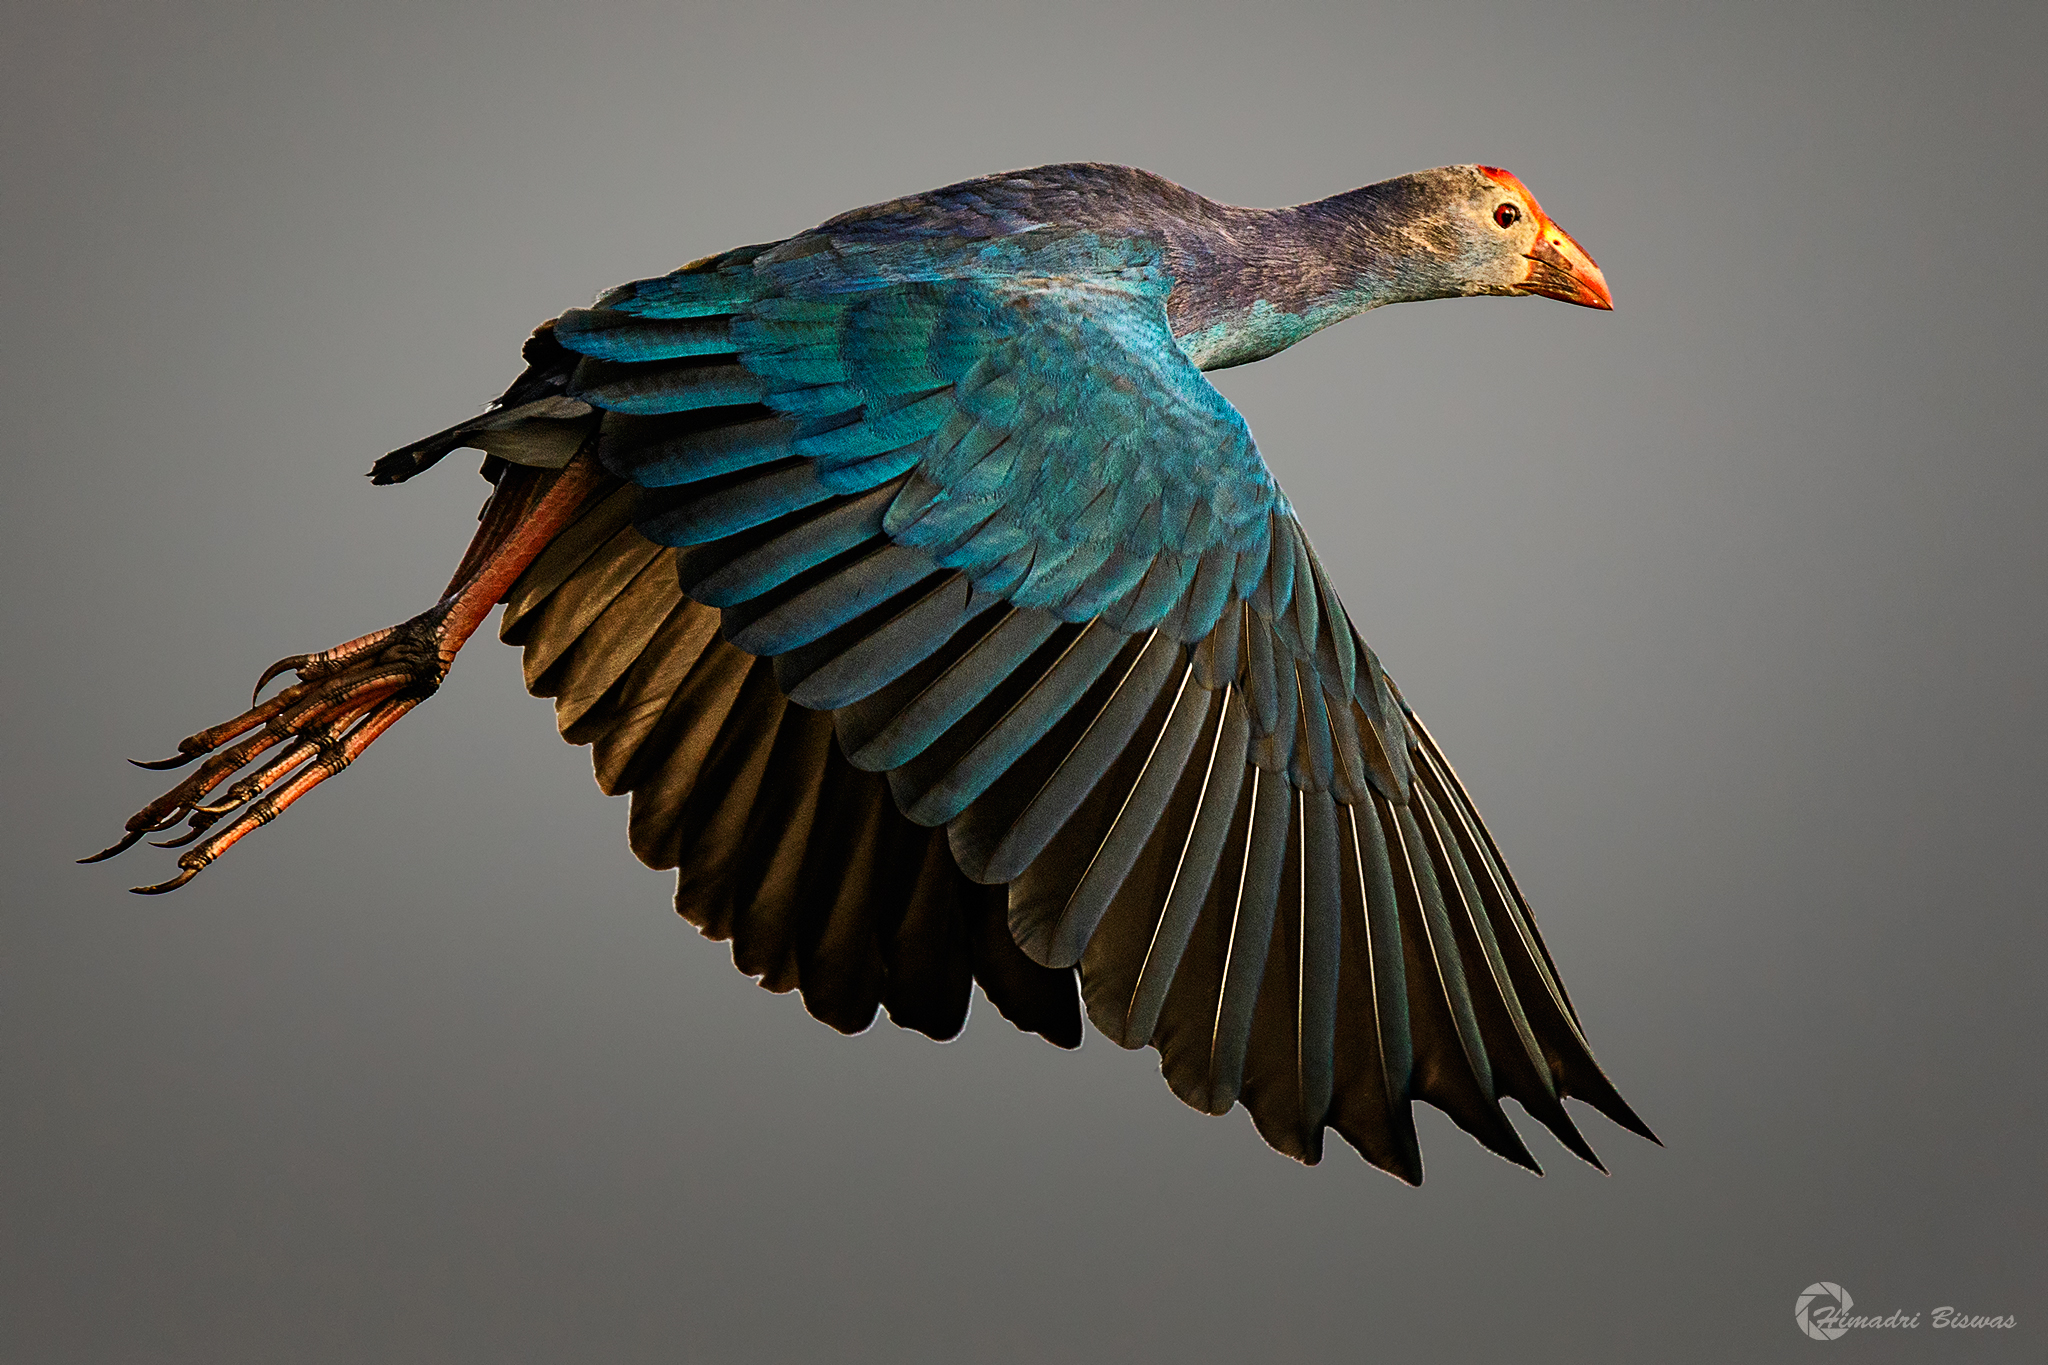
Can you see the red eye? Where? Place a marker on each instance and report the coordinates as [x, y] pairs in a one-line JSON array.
[[1507, 215]]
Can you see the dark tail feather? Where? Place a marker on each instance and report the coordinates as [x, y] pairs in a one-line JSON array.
[[406, 461], [537, 394]]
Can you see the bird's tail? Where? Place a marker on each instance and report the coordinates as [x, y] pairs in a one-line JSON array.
[[533, 422]]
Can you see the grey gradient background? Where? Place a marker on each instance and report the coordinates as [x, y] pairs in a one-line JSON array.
[[1728, 605]]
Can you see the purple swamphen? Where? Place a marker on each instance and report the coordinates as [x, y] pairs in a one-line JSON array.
[[946, 625]]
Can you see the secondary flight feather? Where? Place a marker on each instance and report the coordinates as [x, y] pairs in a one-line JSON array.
[[947, 626]]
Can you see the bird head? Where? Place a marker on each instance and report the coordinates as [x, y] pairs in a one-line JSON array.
[[1508, 245]]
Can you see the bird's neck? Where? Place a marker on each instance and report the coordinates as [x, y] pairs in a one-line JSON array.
[[1252, 282]]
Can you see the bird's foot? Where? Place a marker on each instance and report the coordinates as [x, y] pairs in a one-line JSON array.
[[289, 744], [347, 696]]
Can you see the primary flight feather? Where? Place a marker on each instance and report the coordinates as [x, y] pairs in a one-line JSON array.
[[947, 626]]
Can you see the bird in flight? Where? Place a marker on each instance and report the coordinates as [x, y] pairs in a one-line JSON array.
[[947, 626]]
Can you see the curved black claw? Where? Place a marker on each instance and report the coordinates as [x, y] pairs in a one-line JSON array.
[[290, 663], [127, 842], [176, 760], [136, 831], [172, 885]]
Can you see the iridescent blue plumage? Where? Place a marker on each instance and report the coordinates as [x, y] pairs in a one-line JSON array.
[[952, 464], [1063, 451], [946, 623]]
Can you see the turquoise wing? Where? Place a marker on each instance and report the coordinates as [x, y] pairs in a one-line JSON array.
[[974, 503]]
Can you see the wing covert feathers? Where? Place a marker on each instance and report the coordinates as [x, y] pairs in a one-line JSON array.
[[897, 737]]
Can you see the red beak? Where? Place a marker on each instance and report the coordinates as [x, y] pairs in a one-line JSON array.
[[1559, 268]]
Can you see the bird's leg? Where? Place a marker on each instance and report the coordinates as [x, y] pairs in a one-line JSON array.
[[348, 695]]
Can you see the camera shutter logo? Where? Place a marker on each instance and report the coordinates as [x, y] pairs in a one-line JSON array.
[[1828, 1302]]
